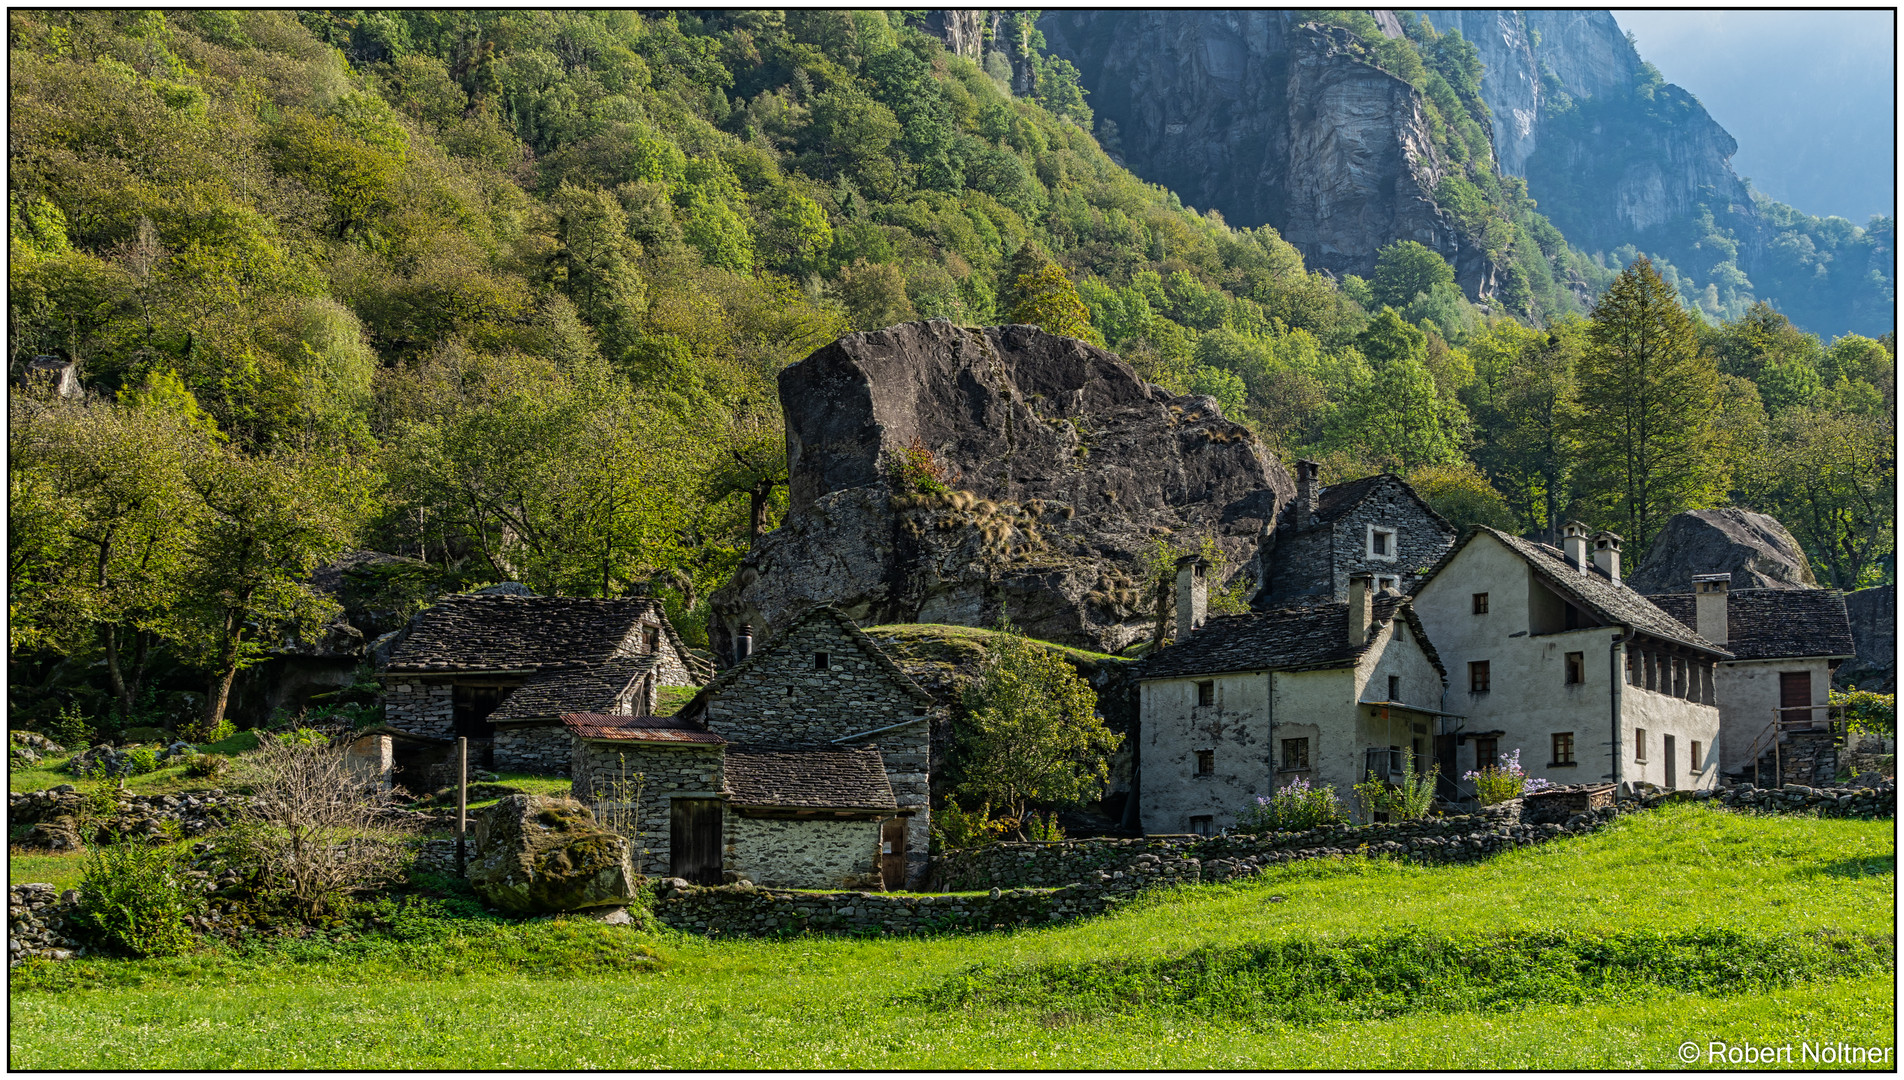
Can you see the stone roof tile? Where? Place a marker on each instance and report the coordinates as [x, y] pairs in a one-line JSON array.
[[534, 633], [599, 728], [1311, 637], [814, 777], [549, 694], [1775, 624]]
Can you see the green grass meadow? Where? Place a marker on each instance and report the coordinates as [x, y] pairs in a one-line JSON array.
[[1807, 905]]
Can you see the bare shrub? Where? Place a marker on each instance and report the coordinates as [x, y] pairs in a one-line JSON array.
[[311, 826]]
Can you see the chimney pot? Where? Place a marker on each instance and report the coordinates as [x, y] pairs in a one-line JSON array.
[[1361, 586], [743, 643], [1193, 595], [1573, 539], [1308, 473], [1709, 606], [1606, 554]]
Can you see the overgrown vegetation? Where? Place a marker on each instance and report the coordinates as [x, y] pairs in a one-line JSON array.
[[133, 898]]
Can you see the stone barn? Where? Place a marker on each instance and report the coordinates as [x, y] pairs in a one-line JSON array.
[[463, 660]]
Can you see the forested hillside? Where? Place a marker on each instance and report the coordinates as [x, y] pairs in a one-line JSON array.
[[506, 294]]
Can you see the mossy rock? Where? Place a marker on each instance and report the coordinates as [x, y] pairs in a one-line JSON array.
[[541, 854]]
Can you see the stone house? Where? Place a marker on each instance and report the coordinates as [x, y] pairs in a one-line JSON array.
[[1554, 656], [462, 664], [1376, 525], [709, 810], [1247, 704], [1785, 646]]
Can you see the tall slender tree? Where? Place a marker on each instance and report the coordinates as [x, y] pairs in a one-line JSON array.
[[1646, 397]]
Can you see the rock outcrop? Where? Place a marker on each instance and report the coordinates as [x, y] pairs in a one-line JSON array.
[[538, 854], [1873, 614], [1269, 121], [1065, 470], [1754, 548]]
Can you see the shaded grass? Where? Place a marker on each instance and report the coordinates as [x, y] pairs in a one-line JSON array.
[[60, 869], [831, 1003], [929, 632]]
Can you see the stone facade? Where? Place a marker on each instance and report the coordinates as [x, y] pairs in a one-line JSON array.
[[803, 853], [667, 771], [1313, 561], [542, 748], [783, 694], [421, 704]]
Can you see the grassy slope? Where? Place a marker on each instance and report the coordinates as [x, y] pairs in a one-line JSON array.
[[825, 1003]]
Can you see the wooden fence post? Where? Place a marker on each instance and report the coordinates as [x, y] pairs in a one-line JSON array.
[[462, 804]]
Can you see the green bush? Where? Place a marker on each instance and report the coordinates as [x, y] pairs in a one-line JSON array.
[[957, 829], [1293, 808], [1867, 711], [203, 766], [132, 897], [144, 759], [303, 736], [70, 728]]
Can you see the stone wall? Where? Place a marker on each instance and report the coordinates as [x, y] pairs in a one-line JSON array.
[[746, 911], [540, 747], [668, 771], [1319, 561], [1561, 803], [803, 853], [422, 706]]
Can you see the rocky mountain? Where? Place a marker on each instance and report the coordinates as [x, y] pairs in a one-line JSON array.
[[1061, 470], [1269, 120], [1755, 549]]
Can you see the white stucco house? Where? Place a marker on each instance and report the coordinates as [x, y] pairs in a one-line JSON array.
[[1551, 654], [1245, 704], [1785, 645]]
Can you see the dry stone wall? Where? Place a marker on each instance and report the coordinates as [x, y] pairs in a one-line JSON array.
[[420, 706], [804, 853], [540, 748], [668, 771]]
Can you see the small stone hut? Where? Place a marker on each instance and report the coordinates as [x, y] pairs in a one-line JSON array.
[[462, 663], [1376, 525]]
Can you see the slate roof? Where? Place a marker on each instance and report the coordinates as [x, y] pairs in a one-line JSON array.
[[600, 728], [474, 632], [1776, 624], [1314, 637], [814, 777], [1593, 591], [1338, 499], [548, 694]]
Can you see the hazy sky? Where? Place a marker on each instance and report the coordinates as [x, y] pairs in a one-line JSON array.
[[1810, 95]]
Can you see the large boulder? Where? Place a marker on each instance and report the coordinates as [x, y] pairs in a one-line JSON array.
[[541, 854], [1873, 614], [1064, 470], [1757, 551]]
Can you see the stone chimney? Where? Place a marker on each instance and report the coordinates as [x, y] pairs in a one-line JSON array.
[[1361, 607], [1573, 538], [1709, 606], [1606, 553], [1307, 488], [1193, 594], [743, 643]]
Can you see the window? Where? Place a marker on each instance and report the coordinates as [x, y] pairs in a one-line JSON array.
[[1487, 753], [1206, 763], [1206, 693], [1563, 748], [1692, 763], [1480, 603], [1576, 668], [1401, 630], [1477, 676], [1295, 754], [1639, 745], [1419, 766], [1394, 688], [819, 661], [651, 638], [1381, 543], [1201, 825]]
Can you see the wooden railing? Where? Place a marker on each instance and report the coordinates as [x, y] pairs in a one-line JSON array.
[[1789, 720]]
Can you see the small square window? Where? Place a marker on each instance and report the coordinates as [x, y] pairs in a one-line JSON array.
[[1639, 745], [1206, 693], [819, 661], [1480, 603], [1563, 748], [1382, 543], [1576, 668], [651, 639], [1295, 754], [1206, 763], [1692, 763], [1478, 680], [1202, 826], [1394, 688]]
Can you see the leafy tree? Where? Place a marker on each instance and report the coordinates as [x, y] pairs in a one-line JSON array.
[[1405, 270], [1462, 495], [1646, 396], [1831, 478], [1394, 412], [1521, 402], [1033, 737], [1040, 294]]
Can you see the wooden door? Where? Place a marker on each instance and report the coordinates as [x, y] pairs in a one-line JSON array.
[[1672, 765], [1794, 696], [1445, 757], [892, 853], [694, 840]]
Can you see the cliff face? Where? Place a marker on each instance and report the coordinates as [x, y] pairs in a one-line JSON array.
[[1605, 169], [1268, 122], [1066, 468]]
